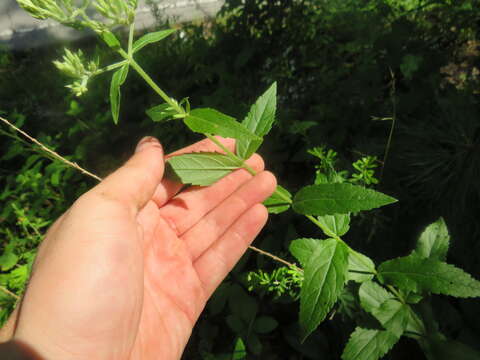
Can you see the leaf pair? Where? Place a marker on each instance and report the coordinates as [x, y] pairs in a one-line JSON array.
[[205, 169]]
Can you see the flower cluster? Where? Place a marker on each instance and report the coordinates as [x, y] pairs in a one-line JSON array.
[[75, 66]]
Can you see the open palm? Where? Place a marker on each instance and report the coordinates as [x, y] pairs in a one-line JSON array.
[[125, 273]]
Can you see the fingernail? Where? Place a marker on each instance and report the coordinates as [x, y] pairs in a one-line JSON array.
[[146, 142]]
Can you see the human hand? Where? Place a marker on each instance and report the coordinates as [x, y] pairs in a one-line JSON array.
[[127, 270]]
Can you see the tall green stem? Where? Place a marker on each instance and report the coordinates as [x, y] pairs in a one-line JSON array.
[[152, 83]]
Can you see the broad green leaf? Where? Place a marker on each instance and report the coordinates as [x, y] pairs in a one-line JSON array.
[[360, 267], [210, 121], [324, 279], [329, 199], [365, 344], [259, 121], [118, 79], [276, 203], [373, 295], [240, 351], [200, 168], [110, 39], [335, 225], [161, 112], [303, 249], [428, 275], [151, 38], [265, 324], [393, 315], [434, 241]]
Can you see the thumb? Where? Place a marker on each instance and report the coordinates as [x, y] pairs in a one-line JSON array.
[[135, 182]]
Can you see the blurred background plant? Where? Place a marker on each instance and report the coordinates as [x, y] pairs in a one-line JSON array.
[[333, 61]]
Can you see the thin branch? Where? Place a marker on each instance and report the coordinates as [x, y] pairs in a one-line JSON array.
[[276, 258], [8, 292], [51, 152], [88, 173]]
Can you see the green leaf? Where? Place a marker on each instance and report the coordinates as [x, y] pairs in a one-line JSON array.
[[8, 260], [259, 121], [373, 295], [324, 279], [360, 267], [335, 225], [110, 39], [276, 203], [265, 324], [329, 199], [210, 121], [428, 275], [118, 79], [393, 315], [161, 112], [200, 168], [303, 249], [434, 241], [151, 38], [240, 351], [365, 344]]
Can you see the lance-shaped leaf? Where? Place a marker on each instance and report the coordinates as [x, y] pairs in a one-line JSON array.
[[428, 275], [434, 241], [200, 168], [118, 79], [110, 39], [360, 267], [393, 315], [335, 225], [366, 344], [161, 112], [259, 121], [151, 38], [303, 249], [324, 279], [210, 121], [328, 199], [276, 203]]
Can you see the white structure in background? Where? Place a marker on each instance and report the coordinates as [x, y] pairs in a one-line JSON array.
[[19, 30]]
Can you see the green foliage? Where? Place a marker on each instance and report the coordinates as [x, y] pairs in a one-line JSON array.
[[118, 79], [213, 122], [201, 168], [281, 281], [324, 278], [434, 241], [151, 38], [328, 199], [428, 275], [259, 121], [332, 82], [279, 201]]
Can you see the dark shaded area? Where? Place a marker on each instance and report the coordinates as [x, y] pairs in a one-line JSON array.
[[339, 66]]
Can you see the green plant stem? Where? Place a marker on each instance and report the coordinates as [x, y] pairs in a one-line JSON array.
[[151, 83], [111, 67], [130, 39], [397, 293]]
